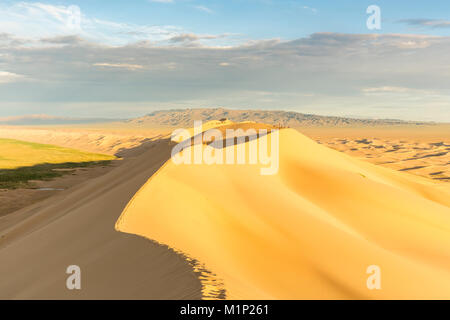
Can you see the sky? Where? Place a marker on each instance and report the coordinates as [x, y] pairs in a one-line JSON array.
[[122, 59]]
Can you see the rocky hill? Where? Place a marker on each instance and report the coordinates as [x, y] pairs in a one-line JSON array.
[[185, 117]]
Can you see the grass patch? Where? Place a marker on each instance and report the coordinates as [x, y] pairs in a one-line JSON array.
[[15, 154], [20, 177], [22, 161]]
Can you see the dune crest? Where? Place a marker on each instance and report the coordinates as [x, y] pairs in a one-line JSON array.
[[308, 232]]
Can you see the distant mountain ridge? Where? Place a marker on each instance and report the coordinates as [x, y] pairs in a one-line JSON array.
[[185, 117]]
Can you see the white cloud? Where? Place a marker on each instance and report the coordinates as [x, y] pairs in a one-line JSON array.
[[119, 65], [377, 74], [33, 21], [29, 22], [386, 89], [204, 9], [8, 77], [395, 90], [313, 10], [431, 23]]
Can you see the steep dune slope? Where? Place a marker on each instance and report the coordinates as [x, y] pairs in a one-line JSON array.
[[76, 227], [309, 231]]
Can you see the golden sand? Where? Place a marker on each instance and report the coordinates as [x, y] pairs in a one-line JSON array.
[[310, 231]]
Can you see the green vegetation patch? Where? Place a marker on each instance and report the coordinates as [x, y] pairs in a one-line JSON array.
[[22, 161], [20, 177]]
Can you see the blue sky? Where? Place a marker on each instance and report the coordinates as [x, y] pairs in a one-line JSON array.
[[127, 58], [261, 19]]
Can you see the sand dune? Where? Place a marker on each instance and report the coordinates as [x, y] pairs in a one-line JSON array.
[[424, 157], [99, 139], [39, 242], [310, 231]]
